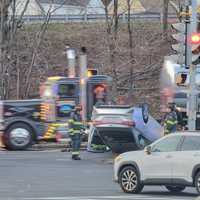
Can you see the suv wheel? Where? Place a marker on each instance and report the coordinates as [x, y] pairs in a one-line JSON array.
[[175, 188], [129, 180], [197, 182]]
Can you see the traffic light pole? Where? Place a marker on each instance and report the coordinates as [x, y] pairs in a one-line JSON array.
[[192, 107], [187, 27]]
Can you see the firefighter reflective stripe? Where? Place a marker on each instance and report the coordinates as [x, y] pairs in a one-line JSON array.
[[98, 146], [74, 127], [73, 132], [170, 122], [71, 121], [77, 123], [75, 153], [76, 131]]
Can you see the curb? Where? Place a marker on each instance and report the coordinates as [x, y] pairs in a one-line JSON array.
[[41, 146]]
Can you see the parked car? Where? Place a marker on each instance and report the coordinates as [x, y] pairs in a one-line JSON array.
[[172, 161]]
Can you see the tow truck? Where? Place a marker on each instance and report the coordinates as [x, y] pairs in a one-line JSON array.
[[24, 122]]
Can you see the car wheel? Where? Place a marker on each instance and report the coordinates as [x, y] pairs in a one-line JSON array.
[[18, 137], [175, 188], [197, 182], [129, 180]]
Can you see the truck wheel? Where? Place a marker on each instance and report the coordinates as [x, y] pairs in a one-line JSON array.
[[18, 137]]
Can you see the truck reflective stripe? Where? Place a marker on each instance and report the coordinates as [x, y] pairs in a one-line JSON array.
[[75, 152]]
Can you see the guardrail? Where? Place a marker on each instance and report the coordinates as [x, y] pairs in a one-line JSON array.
[[93, 17]]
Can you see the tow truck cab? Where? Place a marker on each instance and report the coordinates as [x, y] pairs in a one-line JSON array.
[[66, 92], [61, 94]]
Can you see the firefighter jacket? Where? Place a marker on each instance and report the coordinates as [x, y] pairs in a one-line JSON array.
[[75, 124], [170, 122]]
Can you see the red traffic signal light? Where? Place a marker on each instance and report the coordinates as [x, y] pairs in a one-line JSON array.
[[195, 38]]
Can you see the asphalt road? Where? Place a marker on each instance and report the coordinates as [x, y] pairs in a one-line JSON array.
[[52, 175]]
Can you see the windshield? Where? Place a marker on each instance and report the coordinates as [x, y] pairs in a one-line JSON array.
[[67, 90]]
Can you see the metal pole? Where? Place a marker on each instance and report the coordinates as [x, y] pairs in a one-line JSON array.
[[83, 83], [191, 95]]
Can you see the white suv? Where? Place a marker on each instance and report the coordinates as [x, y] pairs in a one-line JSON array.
[[173, 161]]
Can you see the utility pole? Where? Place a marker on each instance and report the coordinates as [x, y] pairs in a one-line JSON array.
[[192, 104], [83, 82]]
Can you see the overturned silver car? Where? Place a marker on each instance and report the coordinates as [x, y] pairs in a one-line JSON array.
[[121, 128]]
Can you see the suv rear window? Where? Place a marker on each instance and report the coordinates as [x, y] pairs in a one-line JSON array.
[[123, 135], [191, 143], [118, 139]]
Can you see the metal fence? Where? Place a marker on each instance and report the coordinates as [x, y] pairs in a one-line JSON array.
[[94, 17]]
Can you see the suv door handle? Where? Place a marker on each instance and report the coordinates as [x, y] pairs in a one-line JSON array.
[[169, 156]]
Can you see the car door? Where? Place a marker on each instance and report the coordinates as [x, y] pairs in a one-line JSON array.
[[186, 158], [158, 164]]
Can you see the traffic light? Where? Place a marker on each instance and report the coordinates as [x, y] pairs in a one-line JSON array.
[[92, 72], [180, 37], [195, 46]]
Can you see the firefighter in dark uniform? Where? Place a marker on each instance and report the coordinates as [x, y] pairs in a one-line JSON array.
[[75, 127], [170, 120]]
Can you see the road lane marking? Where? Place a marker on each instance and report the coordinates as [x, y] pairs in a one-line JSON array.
[[111, 197]]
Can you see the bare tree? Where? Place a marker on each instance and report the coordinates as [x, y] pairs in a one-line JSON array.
[[112, 25], [130, 33], [8, 27], [4, 36], [165, 18], [38, 40]]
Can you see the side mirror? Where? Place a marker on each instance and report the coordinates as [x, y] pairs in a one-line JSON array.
[[145, 113], [147, 150]]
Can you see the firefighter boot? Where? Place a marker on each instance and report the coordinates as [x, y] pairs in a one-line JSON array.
[[77, 157]]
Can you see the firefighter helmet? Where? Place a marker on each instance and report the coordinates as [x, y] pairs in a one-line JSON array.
[[172, 106]]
